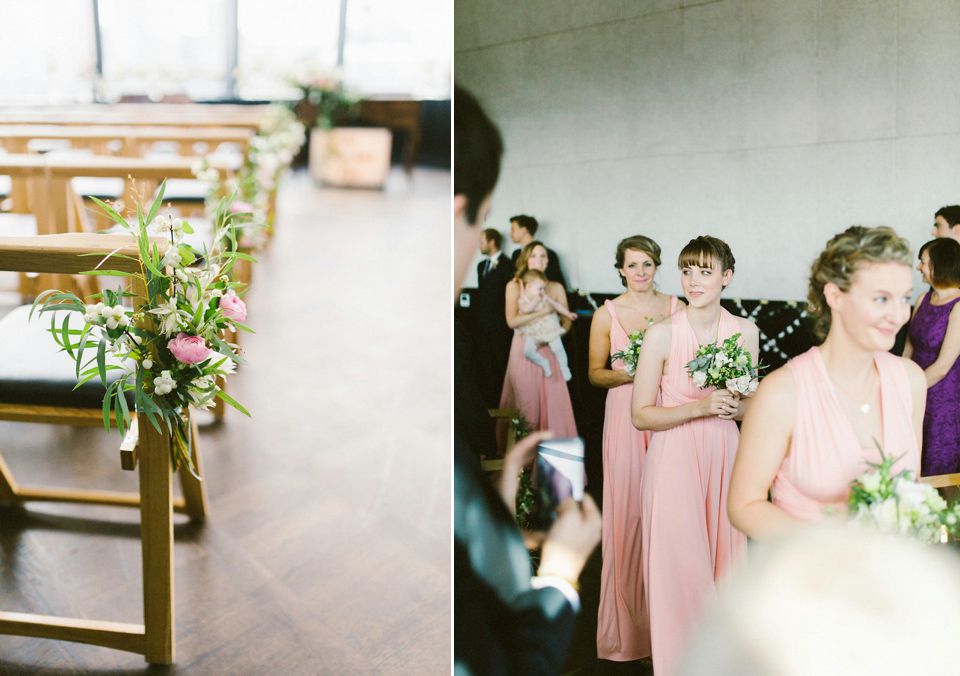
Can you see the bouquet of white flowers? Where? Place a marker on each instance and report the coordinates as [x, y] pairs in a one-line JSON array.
[[629, 354], [898, 504], [728, 366]]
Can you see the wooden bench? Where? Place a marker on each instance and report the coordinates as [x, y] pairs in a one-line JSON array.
[[154, 638]]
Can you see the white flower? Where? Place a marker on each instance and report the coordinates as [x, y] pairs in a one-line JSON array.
[[720, 360], [176, 226], [741, 360], [699, 379], [870, 482], [115, 316], [168, 312], [199, 391], [224, 363], [181, 275], [197, 166], [172, 257], [885, 515], [92, 314], [209, 175], [161, 224], [147, 363], [164, 383]]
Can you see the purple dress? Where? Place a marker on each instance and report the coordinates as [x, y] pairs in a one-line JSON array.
[[941, 421]]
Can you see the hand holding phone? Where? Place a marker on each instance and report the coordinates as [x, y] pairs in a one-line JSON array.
[[559, 475]]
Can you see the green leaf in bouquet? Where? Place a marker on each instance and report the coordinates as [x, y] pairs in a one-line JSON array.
[[110, 211], [230, 400], [155, 207]]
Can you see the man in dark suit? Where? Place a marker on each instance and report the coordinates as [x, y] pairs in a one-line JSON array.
[[523, 230], [494, 272], [505, 621]]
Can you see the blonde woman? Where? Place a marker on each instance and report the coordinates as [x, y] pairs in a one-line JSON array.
[[816, 422], [543, 401]]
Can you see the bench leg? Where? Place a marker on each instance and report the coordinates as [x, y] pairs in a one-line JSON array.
[[156, 531]]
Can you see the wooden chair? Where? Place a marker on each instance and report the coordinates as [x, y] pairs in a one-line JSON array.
[[146, 447]]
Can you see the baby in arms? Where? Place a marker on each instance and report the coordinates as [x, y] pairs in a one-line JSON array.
[[546, 329]]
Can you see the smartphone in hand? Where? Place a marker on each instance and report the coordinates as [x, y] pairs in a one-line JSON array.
[[559, 475]]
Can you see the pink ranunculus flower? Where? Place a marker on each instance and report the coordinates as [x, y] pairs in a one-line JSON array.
[[233, 307], [239, 207], [189, 349]]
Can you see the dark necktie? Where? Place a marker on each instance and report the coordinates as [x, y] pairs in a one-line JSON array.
[[486, 268]]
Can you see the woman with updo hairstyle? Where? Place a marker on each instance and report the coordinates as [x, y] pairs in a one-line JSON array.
[[543, 401], [687, 542], [815, 423], [934, 344], [623, 632]]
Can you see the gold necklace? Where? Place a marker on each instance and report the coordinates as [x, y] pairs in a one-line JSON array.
[[865, 406]]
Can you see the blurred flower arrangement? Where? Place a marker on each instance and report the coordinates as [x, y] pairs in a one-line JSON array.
[[728, 365], [271, 153], [898, 504], [323, 92], [171, 350]]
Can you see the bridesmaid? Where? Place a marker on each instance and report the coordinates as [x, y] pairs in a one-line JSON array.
[[543, 402], [934, 344], [813, 424], [623, 632], [687, 540]]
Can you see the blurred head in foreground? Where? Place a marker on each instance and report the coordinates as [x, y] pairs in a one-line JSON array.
[[834, 600]]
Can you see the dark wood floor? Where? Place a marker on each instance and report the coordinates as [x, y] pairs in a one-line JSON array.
[[327, 549]]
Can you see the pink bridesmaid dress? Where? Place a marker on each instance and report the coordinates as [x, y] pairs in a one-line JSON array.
[[623, 631], [543, 402], [824, 455], [688, 542]]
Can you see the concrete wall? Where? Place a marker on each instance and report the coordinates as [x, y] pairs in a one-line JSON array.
[[772, 124]]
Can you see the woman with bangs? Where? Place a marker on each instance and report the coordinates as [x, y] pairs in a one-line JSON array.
[[688, 542], [934, 344], [816, 422], [543, 401]]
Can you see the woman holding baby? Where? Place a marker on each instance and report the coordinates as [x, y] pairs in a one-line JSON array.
[[537, 369]]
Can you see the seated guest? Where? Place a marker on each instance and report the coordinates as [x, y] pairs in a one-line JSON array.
[[494, 272], [522, 231], [934, 344], [507, 622]]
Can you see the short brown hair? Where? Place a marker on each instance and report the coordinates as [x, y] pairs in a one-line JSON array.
[[528, 223], [944, 255], [493, 235], [707, 250], [636, 243], [840, 259]]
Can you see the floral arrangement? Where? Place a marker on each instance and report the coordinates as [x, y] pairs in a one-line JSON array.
[[272, 150], [172, 350], [728, 366], [629, 354], [898, 504], [524, 500], [325, 92]]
